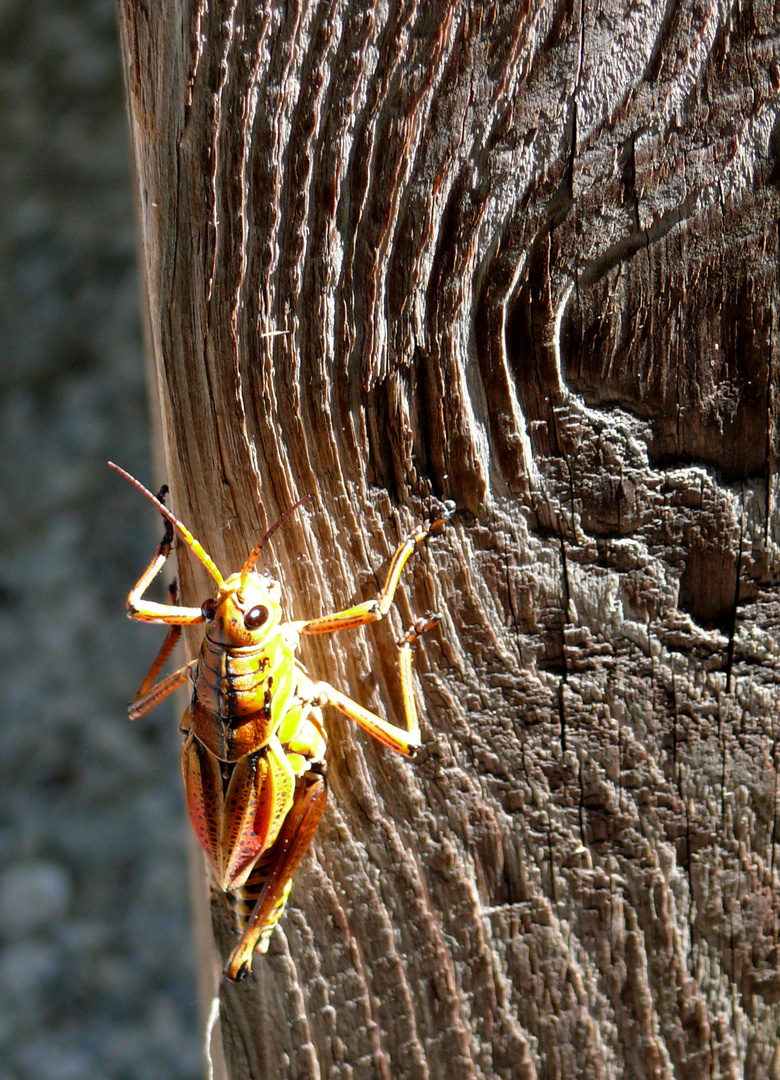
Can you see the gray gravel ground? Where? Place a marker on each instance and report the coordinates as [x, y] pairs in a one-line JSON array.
[[96, 970]]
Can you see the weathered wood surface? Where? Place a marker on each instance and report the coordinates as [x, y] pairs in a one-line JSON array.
[[526, 257]]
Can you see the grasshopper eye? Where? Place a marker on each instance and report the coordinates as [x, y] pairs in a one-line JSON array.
[[208, 609], [255, 617]]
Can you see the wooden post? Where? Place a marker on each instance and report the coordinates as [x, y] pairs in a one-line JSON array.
[[523, 256]]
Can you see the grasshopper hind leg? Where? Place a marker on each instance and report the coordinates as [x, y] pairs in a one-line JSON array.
[[242, 902], [268, 886]]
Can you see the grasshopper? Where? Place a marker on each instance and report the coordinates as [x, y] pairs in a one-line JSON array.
[[255, 750]]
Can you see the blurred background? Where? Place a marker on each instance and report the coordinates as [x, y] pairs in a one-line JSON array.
[[96, 968]]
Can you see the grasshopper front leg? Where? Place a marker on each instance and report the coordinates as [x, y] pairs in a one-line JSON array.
[[147, 610], [374, 610]]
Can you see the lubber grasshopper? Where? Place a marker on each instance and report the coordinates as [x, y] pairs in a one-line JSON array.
[[255, 749]]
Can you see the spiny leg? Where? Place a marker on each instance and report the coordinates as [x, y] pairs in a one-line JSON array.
[[295, 836], [241, 902], [144, 703], [147, 610], [149, 695], [171, 640], [373, 610], [419, 627], [403, 741]]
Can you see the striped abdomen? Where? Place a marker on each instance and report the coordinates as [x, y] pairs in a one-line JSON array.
[[241, 902]]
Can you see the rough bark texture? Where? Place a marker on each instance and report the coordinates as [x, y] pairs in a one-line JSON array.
[[524, 256]]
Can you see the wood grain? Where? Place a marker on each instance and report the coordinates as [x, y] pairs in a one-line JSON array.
[[524, 256]]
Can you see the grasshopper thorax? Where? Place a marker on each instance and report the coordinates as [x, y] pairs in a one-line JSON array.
[[245, 611]]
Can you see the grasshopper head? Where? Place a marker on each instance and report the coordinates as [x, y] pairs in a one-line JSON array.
[[245, 611]]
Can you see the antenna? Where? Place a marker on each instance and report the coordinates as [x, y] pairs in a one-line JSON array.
[[254, 554], [195, 545]]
